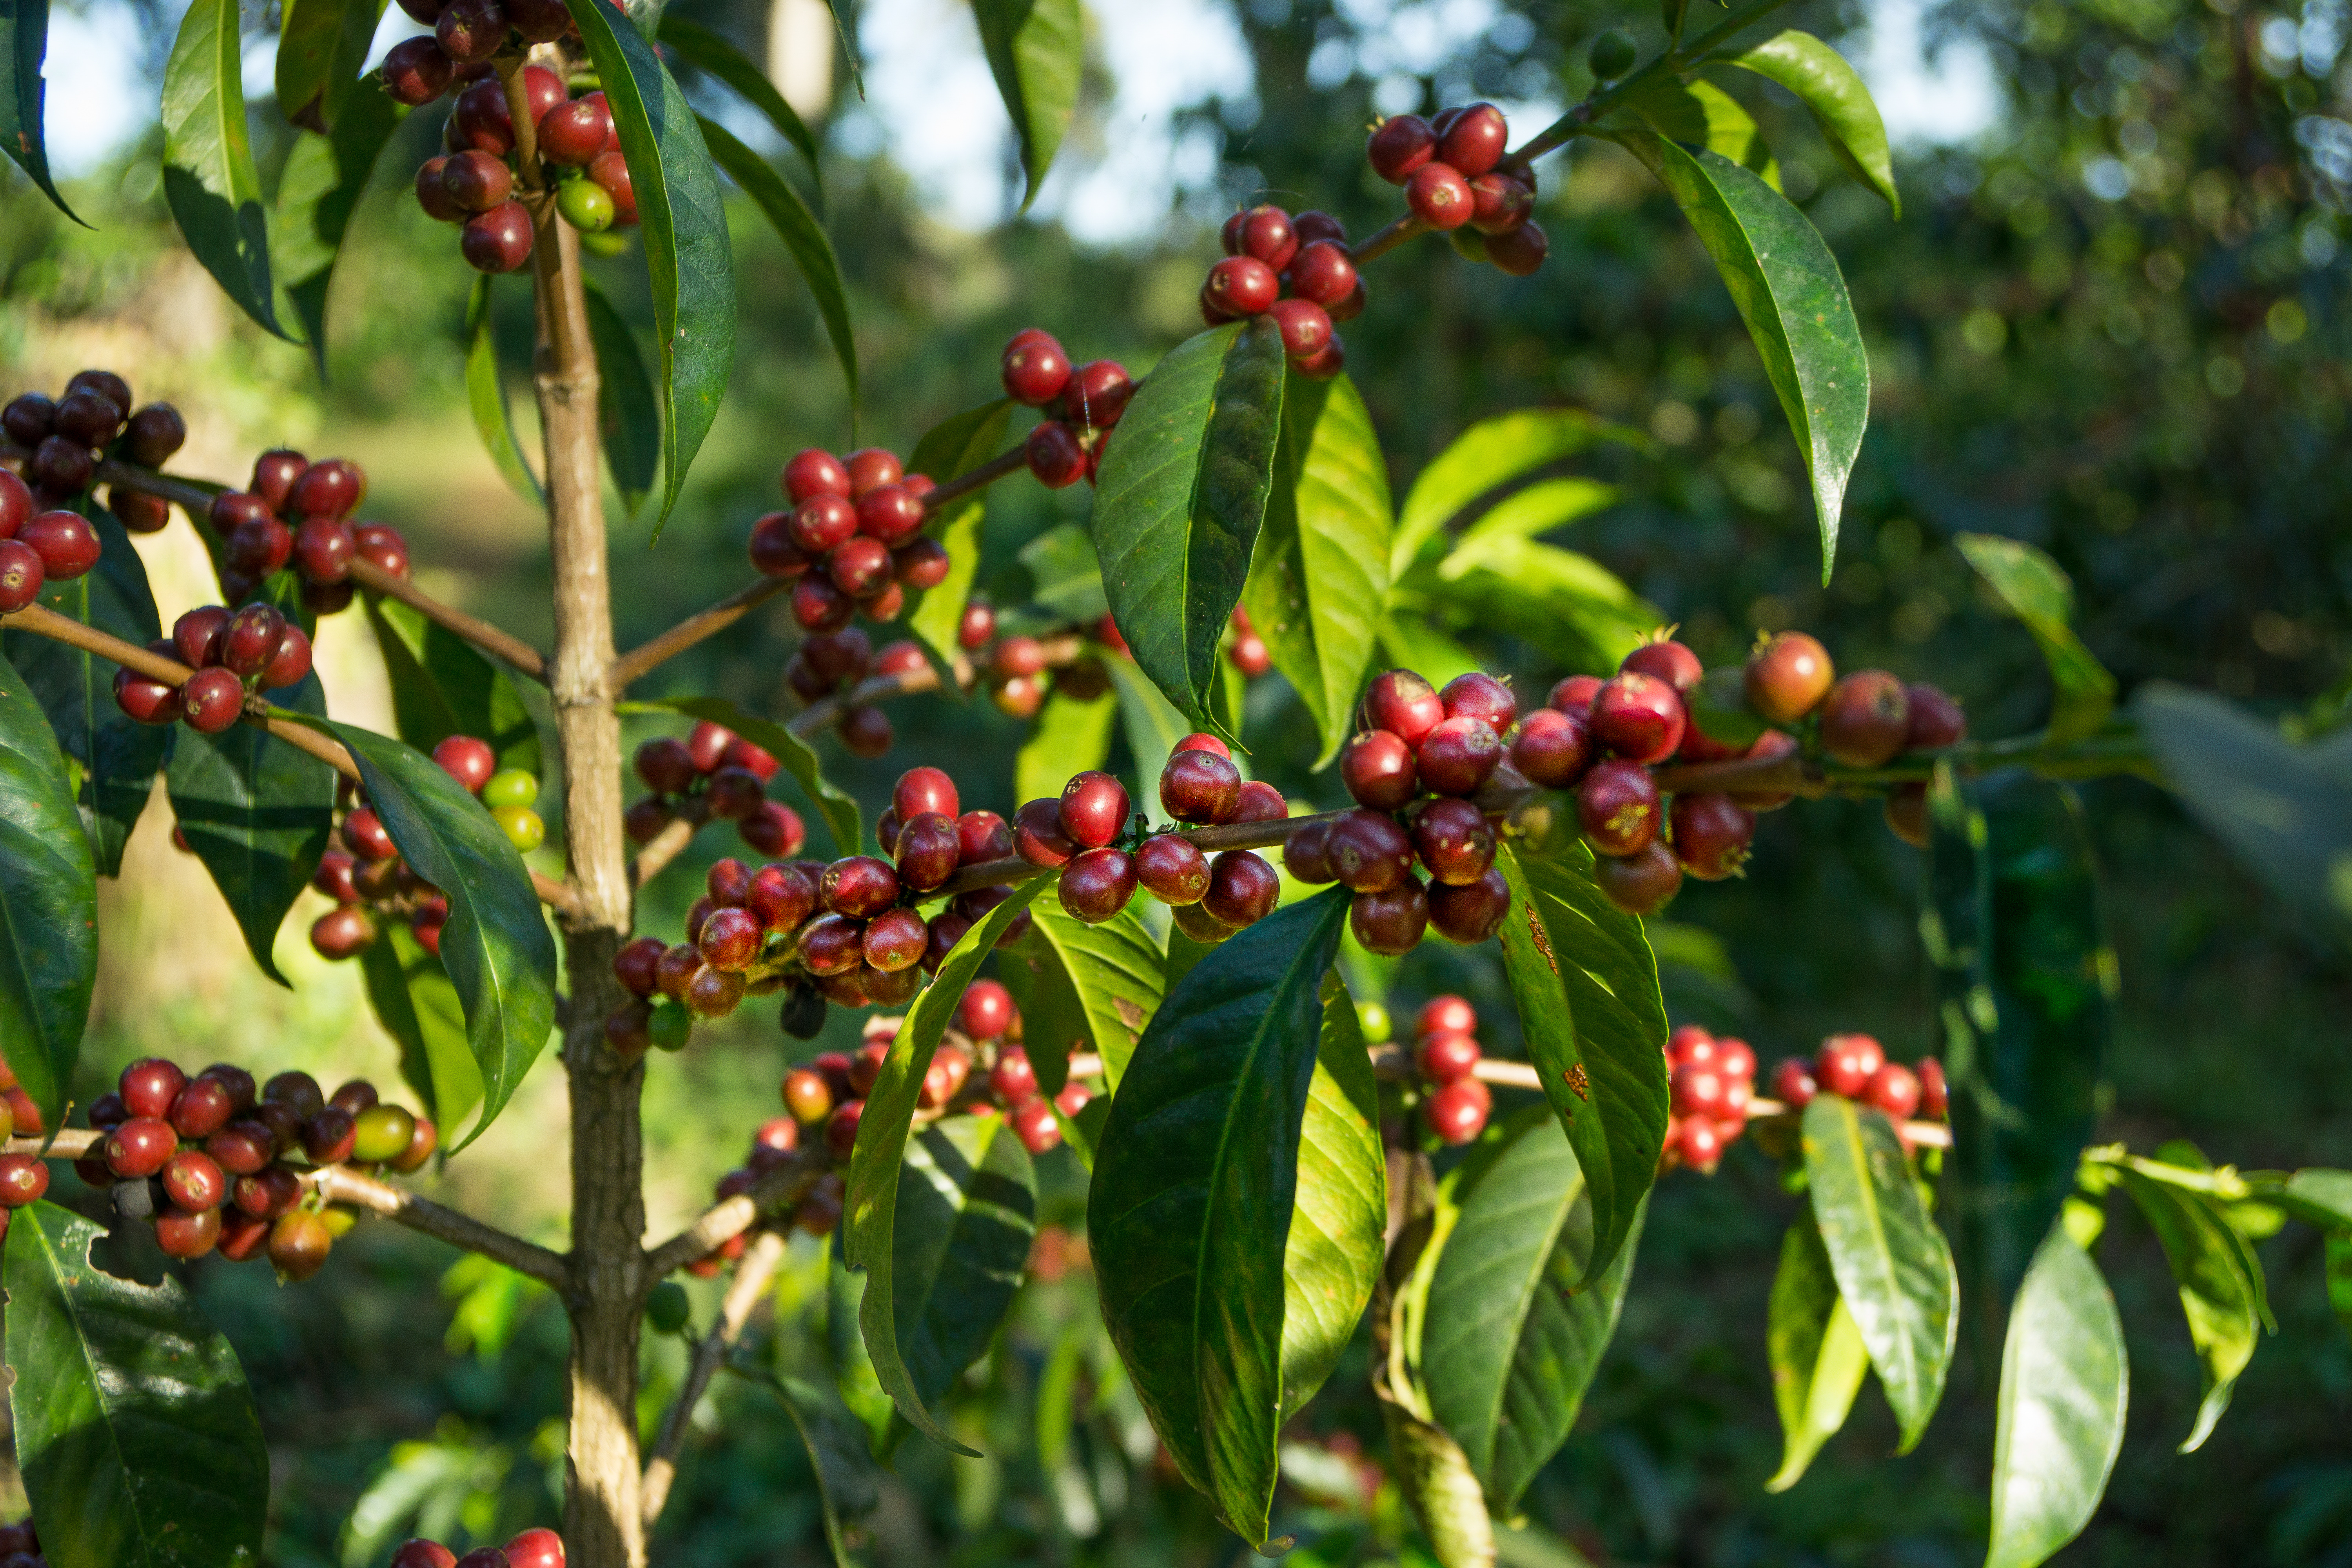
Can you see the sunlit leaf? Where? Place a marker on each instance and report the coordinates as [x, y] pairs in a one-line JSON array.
[[2064, 1384], [210, 182], [1840, 103], [1036, 49], [2037, 592]]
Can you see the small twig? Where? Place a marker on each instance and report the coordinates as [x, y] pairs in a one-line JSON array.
[[1409, 225], [752, 1272], [670, 843], [723, 1221]]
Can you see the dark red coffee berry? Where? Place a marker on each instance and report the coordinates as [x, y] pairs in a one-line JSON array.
[[1475, 695], [859, 885], [1093, 808], [820, 606], [465, 758], [60, 466], [1471, 912], [1036, 369], [1711, 834], [499, 240], [1667, 661], [983, 835], [1788, 675], [1200, 786], [1321, 272], [1458, 755], [1242, 285], [1865, 719], [66, 542], [1097, 883], [1038, 836], [1792, 1082], [21, 577], [22, 1179], [1242, 889], [921, 564], [896, 940], [213, 698], [1393, 920], [573, 133], [1894, 1090], [1405, 705], [1171, 870], [1638, 717], [927, 850], [193, 1180], [1553, 749], [1306, 854], [416, 72], [814, 472], [30, 418], [1439, 197], [474, 181], [1096, 394], [1457, 1114], [891, 513], [1500, 204], [1399, 145], [88, 418], [471, 31], [1305, 332], [1845, 1064], [150, 1085], [730, 940], [859, 567], [866, 730], [1367, 852], [1617, 806], [1454, 841], [147, 700], [141, 1146], [1936, 720], [1474, 143]]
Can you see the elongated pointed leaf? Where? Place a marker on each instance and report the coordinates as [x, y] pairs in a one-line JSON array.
[[486, 397], [24, 41], [442, 686], [1789, 290], [1508, 1354], [1036, 49], [1523, 514], [2039, 593], [949, 450], [1097, 987], [209, 179], [117, 756], [2064, 1384], [684, 223], [1697, 113], [1332, 1259], [418, 1008], [49, 906], [320, 187], [629, 414], [1595, 1024], [1070, 737], [1893, 1267], [1441, 1488], [714, 52], [2221, 1297], [967, 1214], [1565, 603], [1321, 578], [134, 1429], [1489, 454], [1817, 1354], [874, 1208], [258, 813], [496, 945], [804, 238], [1840, 105], [321, 45], [1182, 494], [1195, 1186], [838, 809], [2318, 1196]]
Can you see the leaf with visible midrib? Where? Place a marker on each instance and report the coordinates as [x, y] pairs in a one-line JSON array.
[[2064, 1386], [49, 906], [1331, 1257], [2217, 1295], [320, 187], [1893, 1267], [1840, 103], [838, 809], [1595, 1023], [442, 686], [1817, 1356], [803, 236], [1183, 494], [1036, 50], [1195, 1186], [321, 44], [949, 450], [1097, 985], [628, 414], [209, 179], [419, 1009], [2037, 592], [136, 1432], [1508, 1354], [24, 38], [967, 1214], [1491, 453], [258, 813]]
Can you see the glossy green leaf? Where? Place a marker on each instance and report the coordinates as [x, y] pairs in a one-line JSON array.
[[805, 239], [1817, 1355], [1085, 987], [209, 179], [874, 1207], [2064, 1384], [115, 757], [683, 224], [1788, 290], [321, 45], [967, 1215], [24, 39], [496, 945], [1070, 737], [2219, 1293], [134, 1429], [1152, 726], [48, 905], [713, 52], [1508, 1353], [1195, 1185], [2318, 1196], [1489, 454], [2037, 592], [629, 414], [258, 813], [1331, 1257], [1565, 603], [1320, 578], [442, 686], [1840, 103], [1586, 990], [1181, 495], [1036, 50], [1893, 1267], [949, 450], [320, 187], [1524, 513], [486, 397], [1440, 1487], [836, 805], [1697, 113], [413, 999]]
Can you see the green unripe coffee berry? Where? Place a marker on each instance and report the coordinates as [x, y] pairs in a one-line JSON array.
[[1468, 242], [523, 828], [668, 1309], [1612, 54], [382, 1132], [339, 1220], [511, 786], [1373, 1017], [669, 1027], [586, 205]]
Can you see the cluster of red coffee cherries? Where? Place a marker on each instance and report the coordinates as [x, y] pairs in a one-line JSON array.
[[1454, 1102], [817, 1211], [1855, 1068], [538, 1548], [1295, 271], [714, 774], [853, 541], [1710, 1084], [1081, 404], [253, 649], [37, 547], [1014, 669], [296, 511], [828, 664], [65, 437], [1422, 752], [1457, 179]]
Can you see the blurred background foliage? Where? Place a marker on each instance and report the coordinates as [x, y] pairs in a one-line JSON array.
[[2112, 323]]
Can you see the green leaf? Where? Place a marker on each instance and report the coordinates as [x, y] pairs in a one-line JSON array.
[[48, 906], [1840, 103], [713, 52], [871, 1242], [1090, 987], [1071, 736], [1508, 1353], [320, 187], [967, 1214], [418, 1008], [947, 451], [1152, 727], [1697, 113], [1410, 640], [838, 808], [24, 38], [2221, 1298], [1036, 49], [846, 1485], [684, 223], [2064, 1384], [1441, 1488], [496, 945], [1893, 1267], [1331, 1257], [1182, 492], [441, 686], [321, 45], [1817, 1354], [1586, 990], [115, 757], [2037, 592], [1065, 578], [1195, 1185], [804, 238], [1788, 290], [1491, 453], [1567, 603], [853, 1368], [628, 415], [486, 397], [135, 1429], [1525, 513], [209, 179], [2317, 1197], [258, 813], [1322, 572]]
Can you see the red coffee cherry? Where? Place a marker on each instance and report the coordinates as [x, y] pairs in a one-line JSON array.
[[149, 1086], [324, 549], [28, 419], [831, 944], [1439, 197], [22, 1179], [896, 940], [498, 240], [1446, 1056], [241, 1148], [921, 564], [1405, 705], [1457, 1114], [141, 1146], [713, 992], [1323, 273], [729, 883], [729, 940], [611, 171], [891, 513], [423, 1553], [1937, 719], [300, 1242], [1305, 332], [1845, 1064], [1788, 675], [187, 1234], [1172, 869], [1638, 717], [267, 1192], [735, 794], [822, 523], [1393, 920], [927, 850], [1894, 1090], [1711, 834], [1036, 369], [859, 567], [1472, 912], [820, 606], [343, 933], [1264, 233], [467, 760], [21, 576], [145, 699], [1242, 889], [981, 836], [1097, 884], [859, 885], [1935, 1093], [541, 1548], [1454, 841], [1699, 1143], [1200, 786], [138, 512], [1667, 661], [1055, 457], [1617, 806], [781, 897], [1038, 836], [1033, 1122], [328, 1136], [1458, 756], [474, 181], [1553, 749], [1574, 695], [66, 542], [978, 625], [814, 472], [1093, 808], [1399, 145], [1792, 1082], [871, 468], [1698, 1088], [1018, 656], [1519, 251], [355, 1096], [1305, 853], [381, 548], [416, 72], [471, 31], [1312, 226], [194, 1181], [840, 1130], [89, 417], [1379, 771], [1500, 204], [1242, 285], [1096, 394], [213, 700], [1474, 143], [1446, 1013], [1475, 695], [985, 1010], [634, 965], [664, 765], [1865, 719], [1367, 851], [1690, 1043], [1013, 1081]]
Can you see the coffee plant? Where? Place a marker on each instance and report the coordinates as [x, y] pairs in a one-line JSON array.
[[1272, 1176]]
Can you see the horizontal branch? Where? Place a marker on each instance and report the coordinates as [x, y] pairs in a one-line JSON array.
[[752, 1272], [730, 1217], [1408, 225], [480, 633]]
